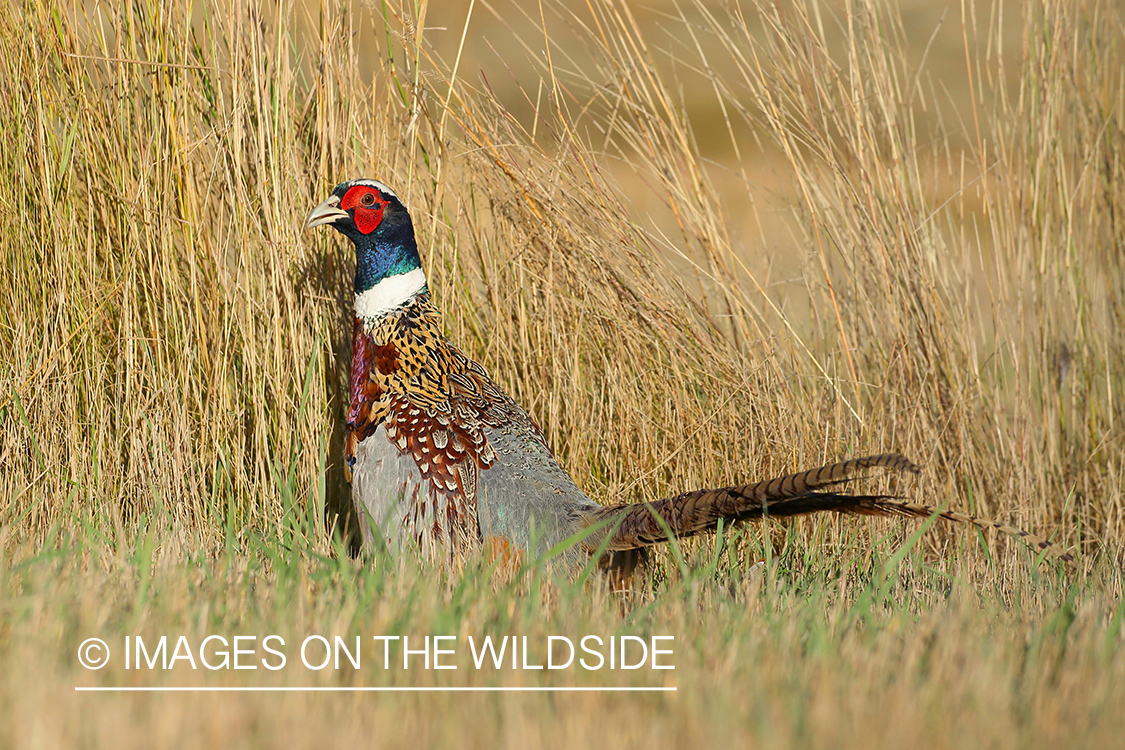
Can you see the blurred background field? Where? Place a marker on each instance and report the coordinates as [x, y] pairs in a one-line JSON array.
[[701, 242]]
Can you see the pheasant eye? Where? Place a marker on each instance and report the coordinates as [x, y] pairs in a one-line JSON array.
[[367, 199]]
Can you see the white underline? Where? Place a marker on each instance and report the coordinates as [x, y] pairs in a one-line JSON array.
[[175, 689]]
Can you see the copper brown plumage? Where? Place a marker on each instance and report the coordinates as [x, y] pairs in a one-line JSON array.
[[434, 404]]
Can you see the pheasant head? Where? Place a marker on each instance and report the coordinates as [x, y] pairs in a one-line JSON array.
[[388, 270]]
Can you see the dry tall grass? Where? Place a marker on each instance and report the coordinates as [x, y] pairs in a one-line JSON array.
[[175, 347]]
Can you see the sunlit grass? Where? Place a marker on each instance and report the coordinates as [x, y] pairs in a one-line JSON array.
[[872, 261]]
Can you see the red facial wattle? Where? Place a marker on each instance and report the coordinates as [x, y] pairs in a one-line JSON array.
[[368, 207]]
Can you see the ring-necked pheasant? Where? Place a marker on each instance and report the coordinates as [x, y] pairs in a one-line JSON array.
[[439, 455]]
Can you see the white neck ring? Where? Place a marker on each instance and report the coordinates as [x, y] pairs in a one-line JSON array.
[[389, 294]]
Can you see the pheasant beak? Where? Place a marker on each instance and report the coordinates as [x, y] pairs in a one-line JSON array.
[[326, 213]]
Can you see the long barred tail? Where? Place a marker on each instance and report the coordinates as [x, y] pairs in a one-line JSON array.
[[638, 526]]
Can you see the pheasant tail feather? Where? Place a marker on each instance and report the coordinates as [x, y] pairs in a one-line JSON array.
[[642, 525]]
